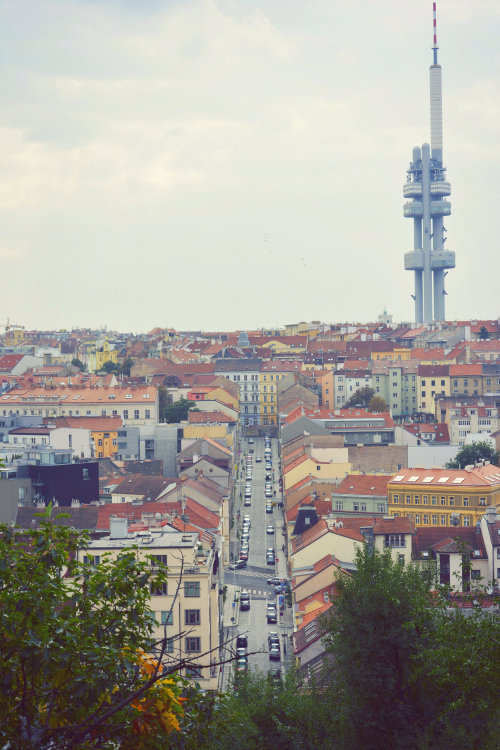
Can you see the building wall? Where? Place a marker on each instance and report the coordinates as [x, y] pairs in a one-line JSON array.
[[12, 493], [433, 505], [317, 470]]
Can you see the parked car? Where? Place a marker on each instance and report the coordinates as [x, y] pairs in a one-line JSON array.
[[250, 441], [269, 508], [270, 529], [272, 616], [242, 641], [258, 459], [273, 637], [242, 664], [243, 555], [274, 580], [244, 600], [237, 565], [246, 519], [275, 673], [274, 651]]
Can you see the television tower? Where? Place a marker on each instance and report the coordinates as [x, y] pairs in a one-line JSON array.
[[426, 187]]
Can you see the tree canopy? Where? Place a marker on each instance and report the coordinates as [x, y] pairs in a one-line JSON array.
[[471, 453], [78, 363], [377, 404], [361, 398], [78, 665], [176, 411]]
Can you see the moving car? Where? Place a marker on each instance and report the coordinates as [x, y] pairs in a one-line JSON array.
[[237, 565], [258, 459], [242, 641], [270, 529], [269, 508]]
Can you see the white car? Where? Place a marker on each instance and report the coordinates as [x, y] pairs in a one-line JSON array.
[[270, 530]]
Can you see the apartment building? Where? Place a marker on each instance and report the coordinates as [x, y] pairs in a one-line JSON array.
[[444, 497], [186, 608]]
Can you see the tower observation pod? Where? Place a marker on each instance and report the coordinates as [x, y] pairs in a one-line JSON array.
[[426, 189]]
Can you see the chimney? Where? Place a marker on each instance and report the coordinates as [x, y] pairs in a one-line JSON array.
[[118, 528]]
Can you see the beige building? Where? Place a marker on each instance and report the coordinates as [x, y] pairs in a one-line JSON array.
[[189, 614], [136, 405]]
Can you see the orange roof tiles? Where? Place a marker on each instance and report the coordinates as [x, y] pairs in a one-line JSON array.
[[364, 484], [481, 476]]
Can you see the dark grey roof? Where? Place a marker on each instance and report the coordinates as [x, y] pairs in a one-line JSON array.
[[82, 518]]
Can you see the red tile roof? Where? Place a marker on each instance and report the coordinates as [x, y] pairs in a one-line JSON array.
[[481, 476], [374, 485]]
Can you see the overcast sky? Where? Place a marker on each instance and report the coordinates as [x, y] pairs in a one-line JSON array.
[[222, 164]]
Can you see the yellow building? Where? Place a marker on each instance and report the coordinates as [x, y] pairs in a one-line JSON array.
[[396, 355], [336, 467], [205, 430], [432, 381], [444, 497], [270, 374]]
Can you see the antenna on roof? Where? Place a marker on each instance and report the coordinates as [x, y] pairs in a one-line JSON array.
[[434, 25]]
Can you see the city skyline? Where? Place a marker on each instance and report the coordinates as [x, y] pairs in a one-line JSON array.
[[189, 164]]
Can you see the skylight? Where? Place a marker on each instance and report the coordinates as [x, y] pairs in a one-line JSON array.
[[413, 478], [458, 480], [427, 479], [443, 479], [399, 478]]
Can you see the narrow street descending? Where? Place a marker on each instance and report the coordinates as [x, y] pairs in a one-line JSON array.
[[261, 463]]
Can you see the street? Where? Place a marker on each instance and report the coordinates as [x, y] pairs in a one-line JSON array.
[[253, 578]]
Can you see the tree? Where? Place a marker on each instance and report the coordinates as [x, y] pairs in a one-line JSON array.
[[78, 363], [126, 365], [377, 404], [410, 671], [109, 366], [260, 711], [484, 333], [379, 623], [470, 454], [78, 666], [176, 411], [361, 398]]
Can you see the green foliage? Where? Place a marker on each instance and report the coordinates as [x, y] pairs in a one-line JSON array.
[[72, 635], [377, 404], [411, 671], [361, 398], [78, 363], [109, 366], [126, 365], [484, 333], [176, 411], [264, 712], [473, 452]]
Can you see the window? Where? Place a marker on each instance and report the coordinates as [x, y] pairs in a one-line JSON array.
[[466, 520], [166, 618], [424, 500], [159, 589], [191, 588], [451, 501], [147, 414], [193, 645], [339, 505], [103, 413], [482, 501], [408, 499], [158, 560], [401, 559], [434, 500], [363, 507], [318, 468], [426, 518], [466, 502], [355, 506], [93, 560], [475, 575], [395, 540], [191, 616], [99, 442], [417, 500], [85, 473], [443, 520], [381, 508], [417, 517], [136, 413], [443, 501], [395, 499], [169, 645], [434, 519], [125, 414]]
